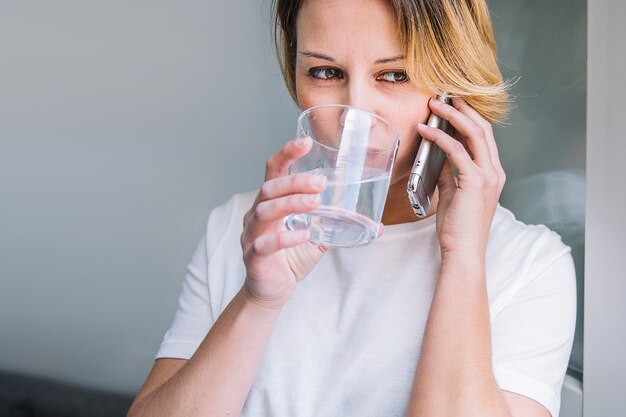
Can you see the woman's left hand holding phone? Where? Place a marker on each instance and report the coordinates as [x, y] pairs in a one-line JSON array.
[[277, 259], [467, 203]]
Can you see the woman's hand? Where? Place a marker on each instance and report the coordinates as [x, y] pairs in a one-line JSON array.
[[466, 209], [277, 259]]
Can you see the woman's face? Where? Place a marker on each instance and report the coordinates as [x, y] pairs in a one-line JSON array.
[[349, 53]]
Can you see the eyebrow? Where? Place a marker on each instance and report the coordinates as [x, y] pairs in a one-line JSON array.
[[328, 58], [392, 59], [316, 55]]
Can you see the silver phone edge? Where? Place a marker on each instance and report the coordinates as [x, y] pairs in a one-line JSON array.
[[419, 197]]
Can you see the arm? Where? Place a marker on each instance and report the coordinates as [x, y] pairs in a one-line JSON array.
[[454, 376], [217, 379]]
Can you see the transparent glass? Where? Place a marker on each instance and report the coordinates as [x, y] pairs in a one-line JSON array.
[[355, 150]]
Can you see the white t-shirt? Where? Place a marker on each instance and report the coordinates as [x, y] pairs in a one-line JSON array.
[[347, 342]]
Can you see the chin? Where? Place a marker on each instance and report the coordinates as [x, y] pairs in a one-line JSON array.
[[399, 179], [402, 170]]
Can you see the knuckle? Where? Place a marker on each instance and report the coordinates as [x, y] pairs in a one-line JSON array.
[[502, 175], [265, 187], [492, 180], [256, 247], [264, 190], [247, 252], [294, 180], [478, 132], [438, 136], [281, 239], [481, 181], [501, 179], [246, 257], [458, 148], [258, 212]]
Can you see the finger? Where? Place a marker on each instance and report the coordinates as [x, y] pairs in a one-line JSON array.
[[470, 112], [304, 182], [381, 230], [267, 212], [301, 183], [278, 163], [270, 243], [462, 106], [455, 149], [472, 131]]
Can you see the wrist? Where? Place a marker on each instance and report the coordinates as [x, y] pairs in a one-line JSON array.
[[468, 260], [265, 304]]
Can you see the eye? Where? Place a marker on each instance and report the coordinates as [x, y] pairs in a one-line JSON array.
[[396, 77], [326, 73]]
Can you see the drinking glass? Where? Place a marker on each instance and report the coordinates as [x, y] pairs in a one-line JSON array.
[[355, 150]]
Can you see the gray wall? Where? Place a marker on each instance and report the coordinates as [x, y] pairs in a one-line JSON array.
[[605, 285], [121, 124]]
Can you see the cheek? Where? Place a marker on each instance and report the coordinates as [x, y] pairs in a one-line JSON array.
[[406, 123], [310, 96], [305, 102], [405, 110]]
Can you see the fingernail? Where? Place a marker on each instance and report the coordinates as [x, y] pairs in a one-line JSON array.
[[421, 125], [303, 234], [300, 142], [435, 102], [318, 180], [311, 198]]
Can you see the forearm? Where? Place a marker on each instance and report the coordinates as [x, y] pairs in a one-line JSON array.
[[217, 379], [454, 376]]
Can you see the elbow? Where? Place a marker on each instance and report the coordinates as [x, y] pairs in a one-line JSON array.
[[135, 407], [132, 411]]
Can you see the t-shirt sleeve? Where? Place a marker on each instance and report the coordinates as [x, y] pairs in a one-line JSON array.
[[532, 335], [194, 315]]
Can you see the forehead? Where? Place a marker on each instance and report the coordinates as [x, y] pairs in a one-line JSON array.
[[344, 26]]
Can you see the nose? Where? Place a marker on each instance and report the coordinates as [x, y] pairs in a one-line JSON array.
[[361, 94], [358, 95]]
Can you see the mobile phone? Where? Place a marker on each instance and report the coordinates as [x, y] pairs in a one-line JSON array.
[[427, 166]]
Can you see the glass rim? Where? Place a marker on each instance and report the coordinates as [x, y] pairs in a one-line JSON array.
[[395, 145]]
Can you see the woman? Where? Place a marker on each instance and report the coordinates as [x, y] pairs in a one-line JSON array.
[[466, 312]]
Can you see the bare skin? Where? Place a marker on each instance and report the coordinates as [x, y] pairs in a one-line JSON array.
[[356, 58]]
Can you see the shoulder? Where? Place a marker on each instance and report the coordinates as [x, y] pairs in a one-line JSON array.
[[520, 255], [518, 242], [235, 206], [226, 219], [532, 295]]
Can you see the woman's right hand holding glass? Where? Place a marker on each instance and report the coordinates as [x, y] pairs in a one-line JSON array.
[[277, 259]]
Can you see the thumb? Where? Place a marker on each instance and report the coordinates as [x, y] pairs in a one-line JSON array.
[[381, 230]]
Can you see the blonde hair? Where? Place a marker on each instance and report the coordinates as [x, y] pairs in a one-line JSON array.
[[449, 46]]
